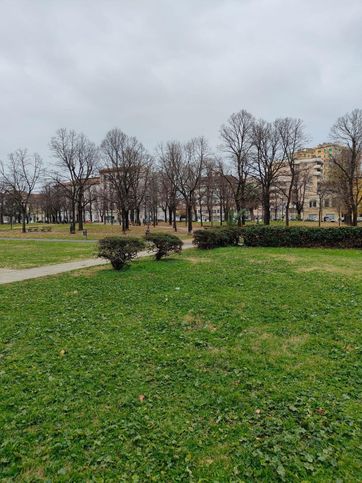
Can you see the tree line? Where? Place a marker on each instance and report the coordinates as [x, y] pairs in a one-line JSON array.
[[255, 164]]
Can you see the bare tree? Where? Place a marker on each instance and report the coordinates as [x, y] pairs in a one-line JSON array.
[[125, 157], [164, 196], [77, 159], [339, 190], [205, 194], [323, 190], [20, 177], [189, 171], [237, 142], [267, 161], [139, 184], [3, 199], [54, 202], [347, 131], [170, 157], [152, 205], [293, 138], [223, 190], [303, 178]]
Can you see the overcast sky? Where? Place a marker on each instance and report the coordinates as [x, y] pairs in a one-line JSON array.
[[173, 69]]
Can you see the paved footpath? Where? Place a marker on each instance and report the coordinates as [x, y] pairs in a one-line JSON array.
[[10, 276]]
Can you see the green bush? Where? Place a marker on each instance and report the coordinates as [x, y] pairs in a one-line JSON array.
[[217, 237], [267, 236], [118, 250], [164, 243]]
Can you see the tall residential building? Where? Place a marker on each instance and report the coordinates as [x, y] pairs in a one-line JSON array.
[[324, 151]]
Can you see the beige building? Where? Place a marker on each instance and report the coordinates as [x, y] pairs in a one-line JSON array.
[[324, 151], [311, 200], [318, 201]]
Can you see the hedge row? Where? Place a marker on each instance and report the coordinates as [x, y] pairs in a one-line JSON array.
[[217, 237], [266, 236], [121, 251]]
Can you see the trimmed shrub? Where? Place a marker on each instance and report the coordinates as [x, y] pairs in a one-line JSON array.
[[217, 237], [164, 243], [233, 234], [269, 236], [119, 250]]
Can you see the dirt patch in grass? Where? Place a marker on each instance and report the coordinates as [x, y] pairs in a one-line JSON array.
[[193, 321], [34, 474], [330, 269], [196, 261], [287, 258], [276, 346], [88, 272], [217, 458]]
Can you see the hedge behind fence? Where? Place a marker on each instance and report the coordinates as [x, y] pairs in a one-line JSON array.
[[266, 236]]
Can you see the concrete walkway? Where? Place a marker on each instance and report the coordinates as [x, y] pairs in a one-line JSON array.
[[10, 276]]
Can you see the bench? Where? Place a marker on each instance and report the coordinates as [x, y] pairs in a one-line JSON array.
[[37, 229]]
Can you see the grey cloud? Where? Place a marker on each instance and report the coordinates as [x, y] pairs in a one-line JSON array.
[[164, 69]]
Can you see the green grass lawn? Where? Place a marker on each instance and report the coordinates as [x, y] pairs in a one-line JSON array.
[[227, 365], [27, 254], [95, 231], [99, 230]]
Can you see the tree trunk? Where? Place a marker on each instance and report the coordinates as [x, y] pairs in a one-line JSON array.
[[266, 207], [173, 212], [189, 218], [354, 215], [80, 209], [287, 214], [2, 213], [80, 218], [132, 217], [170, 213], [23, 218], [138, 216], [125, 222], [238, 209], [201, 220], [289, 199], [72, 224], [210, 216]]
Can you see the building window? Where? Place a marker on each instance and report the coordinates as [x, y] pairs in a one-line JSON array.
[[313, 204]]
